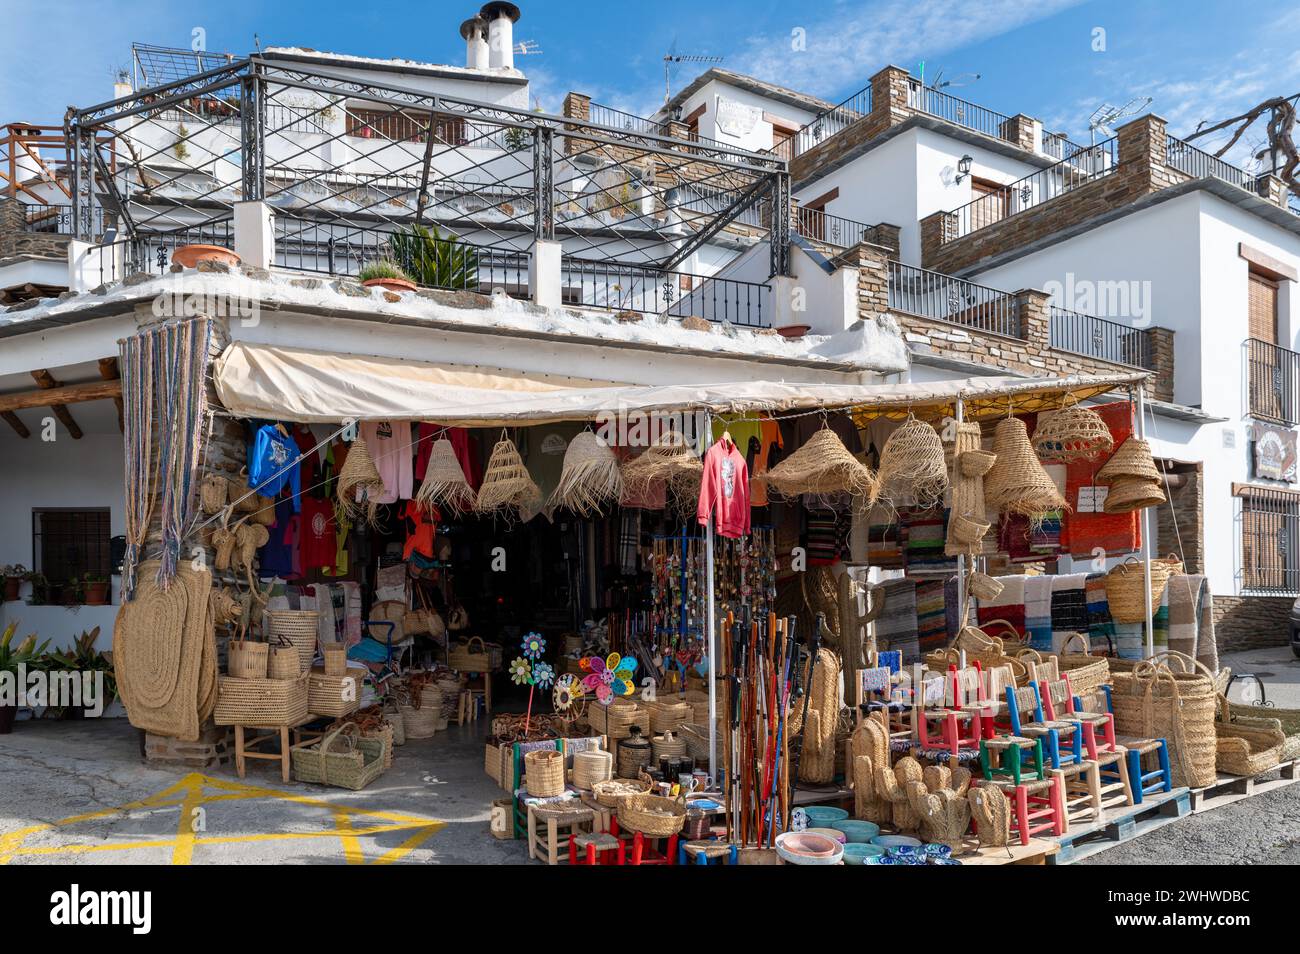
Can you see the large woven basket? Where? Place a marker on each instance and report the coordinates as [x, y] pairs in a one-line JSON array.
[[260, 702], [1174, 697], [471, 656], [246, 659], [333, 695], [592, 766], [299, 627], [544, 773], [1288, 720], [1124, 588], [1249, 747], [1087, 672], [652, 815], [422, 723], [343, 758], [665, 716], [612, 793], [616, 719]]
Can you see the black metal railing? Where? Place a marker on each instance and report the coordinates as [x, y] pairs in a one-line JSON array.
[[615, 286], [1059, 147], [1200, 164], [834, 230], [958, 111], [1273, 381], [1270, 541], [825, 125], [1099, 338], [58, 219], [620, 119], [927, 294], [1087, 165]]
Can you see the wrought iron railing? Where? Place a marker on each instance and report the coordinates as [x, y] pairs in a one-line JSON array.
[[1099, 338], [620, 119], [1059, 147], [618, 287], [836, 231], [1270, 541], [1200, 164], [958, 111], [825, 125], [1273, 381], [927, 294], [1087, 165], [58, 220]]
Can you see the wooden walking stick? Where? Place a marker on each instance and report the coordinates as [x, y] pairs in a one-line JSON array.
[[807, 694]]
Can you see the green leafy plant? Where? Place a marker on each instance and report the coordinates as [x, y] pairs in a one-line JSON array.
[[517, 139], [40, 594], [26, 653], [382, 268], [181, 150], [84, 657], [434, 261]]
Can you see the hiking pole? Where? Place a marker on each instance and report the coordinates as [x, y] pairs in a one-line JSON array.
[[807, 686], [783, 693]]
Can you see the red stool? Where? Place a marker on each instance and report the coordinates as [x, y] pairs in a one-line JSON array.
[[598, 848], [1037, 806], [644, 851]]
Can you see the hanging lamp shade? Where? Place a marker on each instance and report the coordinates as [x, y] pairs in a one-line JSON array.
[[1017, 482], [1133, 459], [507, 484], [912, 465], [1072, 433], [360, 485], [590, 478], [823, 465], [444, 483]]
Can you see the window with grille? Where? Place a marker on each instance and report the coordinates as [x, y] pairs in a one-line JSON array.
[[1270, 534], [405, 125], [67, 544]]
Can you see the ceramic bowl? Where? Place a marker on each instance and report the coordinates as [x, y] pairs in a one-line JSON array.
[[823, 816], [807, 848], [834, 834], [896, 841], [936, 850], [857, 831], [860, 853]]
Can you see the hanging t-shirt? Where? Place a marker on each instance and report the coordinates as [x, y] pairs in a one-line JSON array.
[[319, 545], [276, 557], [309, 469], [272, 463], [724, 490], [389, 443], [769, 438]]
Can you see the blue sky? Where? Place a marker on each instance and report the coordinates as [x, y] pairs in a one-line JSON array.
[[1198, 60]]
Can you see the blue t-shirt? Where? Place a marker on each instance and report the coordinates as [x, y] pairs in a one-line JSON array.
[[273, 462], [276, 557]]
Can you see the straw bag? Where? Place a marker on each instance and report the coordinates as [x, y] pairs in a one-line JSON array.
[[343, 758], [464, 657], [246, 659], [982, 586], [297, 626], [336, 658], [423, 722], [544, 773], [282, 660], [213, 492], [1087, 672], [391, 611], [652, 815], [1124, 588], [1247, 747], [1175, 697]]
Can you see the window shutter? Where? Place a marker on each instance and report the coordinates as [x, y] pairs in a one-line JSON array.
[[1262, 308]]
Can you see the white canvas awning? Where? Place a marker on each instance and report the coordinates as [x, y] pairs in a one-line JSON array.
[[295, 384]]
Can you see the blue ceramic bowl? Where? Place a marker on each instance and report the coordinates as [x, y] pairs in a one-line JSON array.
[[937, 860], [859, 853], [935, 850], [857, 831], [824, 816], [896, 841]]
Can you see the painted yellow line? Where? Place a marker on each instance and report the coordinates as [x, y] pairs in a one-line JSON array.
[[406, 847]]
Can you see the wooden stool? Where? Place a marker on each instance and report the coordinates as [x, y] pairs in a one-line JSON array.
[[1081, 792], [1004, 755], [1142, 782], [603, 817], [644, 852], [1037, 806], [704, 852], [596, 847], [247, 748], [565, 815], [1112, 769], [959, 728], [466, 707]]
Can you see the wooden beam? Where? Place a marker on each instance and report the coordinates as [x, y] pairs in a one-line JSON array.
[[108, 371], [66, 394], [47, 383], [16, 423]]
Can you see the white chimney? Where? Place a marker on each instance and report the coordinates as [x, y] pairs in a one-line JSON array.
[[501, 17], [474, 32]]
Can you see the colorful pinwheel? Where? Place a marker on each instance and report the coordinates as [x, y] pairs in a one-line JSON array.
[[534, 646], [568, 692], [521, 672], [609, 677], [543, 674]]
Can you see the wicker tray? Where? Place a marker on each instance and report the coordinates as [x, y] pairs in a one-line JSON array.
[[329, 695], [612, 793], [342, 758], [260, 702], [652, 815]]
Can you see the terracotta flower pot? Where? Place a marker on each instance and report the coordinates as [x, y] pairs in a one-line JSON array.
[[189, 256], [390, 284], [11, 588], [793, 331], [97, 594]]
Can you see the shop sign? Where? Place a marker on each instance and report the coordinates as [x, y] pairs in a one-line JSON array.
[[1275, 453]]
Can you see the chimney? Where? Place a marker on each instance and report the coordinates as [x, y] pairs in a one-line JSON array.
[[474, 32], [501, 18]]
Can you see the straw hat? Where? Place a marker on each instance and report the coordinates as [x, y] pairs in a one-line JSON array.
[[1133, 459], [1017, 482], [1131, 493], [444, 482], [360, 484], [912, 465], [1072, 433], [823, 465], [507, 483], [590, 478]]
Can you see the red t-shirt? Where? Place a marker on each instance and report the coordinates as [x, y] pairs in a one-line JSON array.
[[319, 547]]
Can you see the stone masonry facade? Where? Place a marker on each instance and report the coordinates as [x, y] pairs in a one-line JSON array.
[[1251, 622], [16, 241]]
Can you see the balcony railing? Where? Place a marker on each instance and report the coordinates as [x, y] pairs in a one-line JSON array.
[[1200, 164], [833, 230], [57, 219], [927, 294], [1273, 376], [1099, 338], [957, 111], [616, 286], [825, 125], [618, 119], [1059, 147], [1270, 541], [1087, 165]]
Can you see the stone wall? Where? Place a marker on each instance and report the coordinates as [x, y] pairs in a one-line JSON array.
[[17, 242], [1181, 528], [1251, 622]]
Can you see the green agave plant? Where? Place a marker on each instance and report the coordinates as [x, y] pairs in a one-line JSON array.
[[84, 657], [432, 260]]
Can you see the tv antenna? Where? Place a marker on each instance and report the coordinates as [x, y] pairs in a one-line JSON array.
[[961, 79], [1105, 116], [526, 47], [672, 56]]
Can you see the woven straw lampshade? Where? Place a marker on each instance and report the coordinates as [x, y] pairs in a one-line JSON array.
[[1133, 459], [823, 465], [669, 458], [913, 466], [1133, 493], [444, 482], [360, 484], [1017, 482], [507, 484], [590, 478], [1072, 433]]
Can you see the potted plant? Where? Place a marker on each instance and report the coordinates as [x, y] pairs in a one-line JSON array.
[[385, 274], [26, 653], [14, 575], [40, 594], [82, 657], [432, 260], [96, 589]]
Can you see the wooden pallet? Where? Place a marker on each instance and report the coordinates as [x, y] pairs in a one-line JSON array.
[[1233, 788], [1039, 851], [1121, 825]]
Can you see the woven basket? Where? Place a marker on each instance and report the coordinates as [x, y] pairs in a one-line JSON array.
[[1247, 747], [299, 627], [696, 737], [1124, 588], [1087, 672], [246, 659], [965, 530], [669, 744], [336, 659], [1288, 719], [652, 815], [343, 758], [394, 720], [982, 586], [282, 661], [592, 766], [260, 702], [665, 716], [612, 793], [213, 491], [465, 658], [544, 773], [369, 730], [977, 463], [1167, 697], [422, 723], [332, 695], [616, 719]]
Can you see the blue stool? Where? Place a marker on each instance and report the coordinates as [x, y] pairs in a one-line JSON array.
[[1160, 779], [1051, 733], [702, 852]]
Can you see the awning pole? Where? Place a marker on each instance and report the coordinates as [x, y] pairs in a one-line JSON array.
[[959, 413], [1146, 535], [711, 623]]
